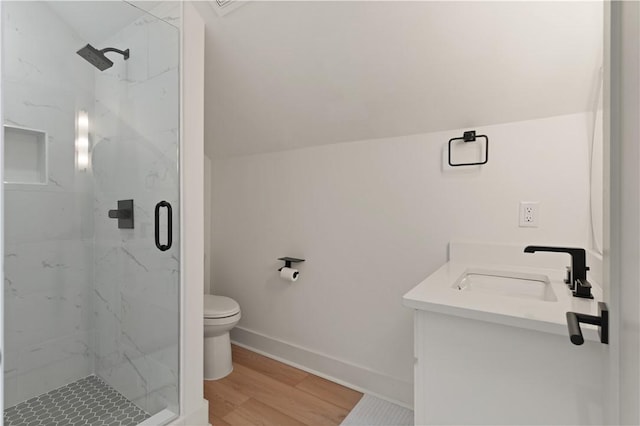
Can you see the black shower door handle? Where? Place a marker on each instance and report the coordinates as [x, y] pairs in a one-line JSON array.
[[164, 247]]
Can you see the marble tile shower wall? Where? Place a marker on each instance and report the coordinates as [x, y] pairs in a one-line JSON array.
[[48, 227], [136, 286]]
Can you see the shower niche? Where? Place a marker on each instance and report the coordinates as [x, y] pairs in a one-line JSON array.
[[25, 155]]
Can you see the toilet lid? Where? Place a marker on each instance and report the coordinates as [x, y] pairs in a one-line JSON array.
[[219, 306]]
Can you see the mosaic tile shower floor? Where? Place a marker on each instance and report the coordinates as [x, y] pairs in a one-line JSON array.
[[89, 401]]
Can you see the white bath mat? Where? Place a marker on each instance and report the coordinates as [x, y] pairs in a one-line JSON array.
[[372, 411]]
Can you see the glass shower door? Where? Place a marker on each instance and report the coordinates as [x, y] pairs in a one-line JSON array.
[[137, 270], [92, 258]]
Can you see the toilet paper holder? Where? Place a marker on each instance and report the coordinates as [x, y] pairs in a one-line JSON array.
[[288, 261]]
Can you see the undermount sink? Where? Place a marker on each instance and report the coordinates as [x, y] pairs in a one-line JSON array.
[[506, 283]]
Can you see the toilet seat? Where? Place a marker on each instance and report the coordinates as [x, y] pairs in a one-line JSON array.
[[220, 306]]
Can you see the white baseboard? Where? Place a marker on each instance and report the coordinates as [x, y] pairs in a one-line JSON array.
[[350, 375], [199, 417], [159, 419]]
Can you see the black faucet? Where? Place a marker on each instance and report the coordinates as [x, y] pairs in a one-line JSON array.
[[578, 282]]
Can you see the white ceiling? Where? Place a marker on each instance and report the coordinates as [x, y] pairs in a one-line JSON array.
[[285, 75]]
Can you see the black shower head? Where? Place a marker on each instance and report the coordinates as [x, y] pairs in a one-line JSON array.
[[97, 58]]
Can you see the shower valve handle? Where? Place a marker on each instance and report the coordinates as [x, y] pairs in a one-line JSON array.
[[119, 214], [124, 214]]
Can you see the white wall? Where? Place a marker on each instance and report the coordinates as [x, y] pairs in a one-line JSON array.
[[622, 248], [193, 407], [373, 218], [207, 224]]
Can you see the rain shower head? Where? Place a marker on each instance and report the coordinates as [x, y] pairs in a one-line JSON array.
[[97, 58]]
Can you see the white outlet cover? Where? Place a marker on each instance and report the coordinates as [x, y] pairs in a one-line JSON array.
[[529, 214]]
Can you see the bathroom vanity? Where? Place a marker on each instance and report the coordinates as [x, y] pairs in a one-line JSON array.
[[492, 345]]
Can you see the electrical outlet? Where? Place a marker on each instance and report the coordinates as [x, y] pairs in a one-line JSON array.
[[529, 214]]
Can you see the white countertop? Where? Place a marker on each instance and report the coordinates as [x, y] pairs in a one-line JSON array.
[[436, 293]]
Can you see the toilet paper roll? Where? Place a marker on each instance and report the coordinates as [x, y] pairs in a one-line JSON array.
[[289, 274]]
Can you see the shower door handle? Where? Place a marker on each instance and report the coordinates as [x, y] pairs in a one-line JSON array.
[[164, 247]]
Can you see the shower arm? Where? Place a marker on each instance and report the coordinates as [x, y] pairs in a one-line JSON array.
[[124, 53]]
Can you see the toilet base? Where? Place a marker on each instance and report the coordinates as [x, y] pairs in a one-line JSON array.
[[217, 357]]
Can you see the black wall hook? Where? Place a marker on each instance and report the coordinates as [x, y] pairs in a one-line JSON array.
[[288, 261], [469, 136]]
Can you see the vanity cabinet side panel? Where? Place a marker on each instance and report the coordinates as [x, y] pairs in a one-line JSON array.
[[476, 372], [420, 373]]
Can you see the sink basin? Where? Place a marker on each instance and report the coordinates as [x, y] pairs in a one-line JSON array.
[[506, 283]]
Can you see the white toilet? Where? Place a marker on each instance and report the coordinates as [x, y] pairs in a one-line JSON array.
[[221, 314]]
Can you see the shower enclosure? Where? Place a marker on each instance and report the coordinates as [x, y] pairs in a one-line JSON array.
[[91, 187]]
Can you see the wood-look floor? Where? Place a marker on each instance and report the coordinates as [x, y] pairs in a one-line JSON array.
[[262, 391]]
